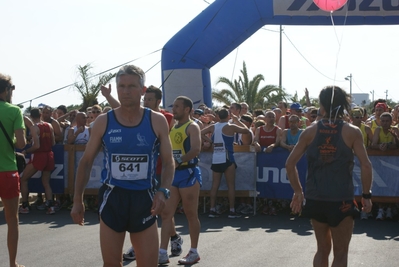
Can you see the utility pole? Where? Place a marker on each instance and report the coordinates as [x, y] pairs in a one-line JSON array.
[[349, 78], [372, 96], [386, 95]]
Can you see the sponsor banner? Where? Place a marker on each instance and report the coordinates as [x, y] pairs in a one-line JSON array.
[[261, 172], [363, 8], [272, 179], [245, 172]]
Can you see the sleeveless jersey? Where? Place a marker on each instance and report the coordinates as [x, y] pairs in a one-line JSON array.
[[266, 138], [385, 137], [45, 138], [130, 153], [364, 134], [293, 139], [82, 138], [181, 143], [330, 165], [223, 148], [169, 118], [374, 126]]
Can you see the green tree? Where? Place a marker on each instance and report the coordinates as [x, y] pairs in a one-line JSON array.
[[249, 91], [88, 87]]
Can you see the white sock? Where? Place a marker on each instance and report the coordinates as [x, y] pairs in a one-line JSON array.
[[194, 250], [232, 210]]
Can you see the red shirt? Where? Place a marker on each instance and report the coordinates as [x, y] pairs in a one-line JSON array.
[[267, 138], [169, 118], [45, 138]]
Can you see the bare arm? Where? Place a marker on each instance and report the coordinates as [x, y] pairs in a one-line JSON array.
[[284, 139], [35, 133], [308, 104], [57, 131], [84, 169], [292, 173], [161, 129], [106, 92], [206, 131], [376, 137], [366, 169], [256, 140], [195, 142], [281, 122]]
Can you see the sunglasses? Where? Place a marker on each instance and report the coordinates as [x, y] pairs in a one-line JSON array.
[[357, 117], [96, 111], [313, 116]]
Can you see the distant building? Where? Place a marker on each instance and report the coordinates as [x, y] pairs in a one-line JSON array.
[[361, 99]]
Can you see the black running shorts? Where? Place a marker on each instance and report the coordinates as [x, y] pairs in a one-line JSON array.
[[329, 212], [125, 210], [222, 167]]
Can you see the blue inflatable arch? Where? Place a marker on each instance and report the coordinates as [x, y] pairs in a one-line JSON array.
[[225, 24]]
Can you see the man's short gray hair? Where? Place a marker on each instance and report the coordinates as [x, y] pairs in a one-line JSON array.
[[131, 70]]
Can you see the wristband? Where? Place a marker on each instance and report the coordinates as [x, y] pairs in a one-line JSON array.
[[366, 196]]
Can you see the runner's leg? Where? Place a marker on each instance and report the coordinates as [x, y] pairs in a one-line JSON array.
[[111, 245], [190, 196], [145, 245], [11, 216], [341, 236], [168, 226], [230, 175], [323, 237]]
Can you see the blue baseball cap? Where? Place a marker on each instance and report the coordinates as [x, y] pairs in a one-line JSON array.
[[296, 106]]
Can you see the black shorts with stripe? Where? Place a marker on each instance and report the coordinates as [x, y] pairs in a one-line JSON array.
[[126, 210]]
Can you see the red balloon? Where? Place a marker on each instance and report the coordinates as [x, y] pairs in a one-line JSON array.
[[330, 5]]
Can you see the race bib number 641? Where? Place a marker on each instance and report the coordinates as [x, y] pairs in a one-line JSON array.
[[129, 166]]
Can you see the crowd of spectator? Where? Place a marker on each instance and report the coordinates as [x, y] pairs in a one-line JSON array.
[[280, 126]]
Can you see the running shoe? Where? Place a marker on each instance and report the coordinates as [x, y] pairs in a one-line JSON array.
[[190, 258], [363, 215], [213, 214], [42, 206], [38, 202], [23, 210], [272, 211], [163, 258], [233, 215], [129, 255], [388, 215], [50, 210], [241, 207], [380, 215], [175, 245], [247, 210]]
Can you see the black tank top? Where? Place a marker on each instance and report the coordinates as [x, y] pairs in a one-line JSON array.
[[330, 164]]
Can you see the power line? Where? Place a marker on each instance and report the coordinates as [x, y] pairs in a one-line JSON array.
[[95, 75], [308, 60]]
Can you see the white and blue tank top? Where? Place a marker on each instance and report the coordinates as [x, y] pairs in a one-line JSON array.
[[130, 153]]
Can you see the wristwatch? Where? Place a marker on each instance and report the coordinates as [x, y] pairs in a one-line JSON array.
[[165, 191], [366, 196], [179, 162]]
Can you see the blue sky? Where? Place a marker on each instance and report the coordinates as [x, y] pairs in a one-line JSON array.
[[44, 42]]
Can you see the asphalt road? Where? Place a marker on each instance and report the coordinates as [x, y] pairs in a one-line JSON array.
[[260, 240]]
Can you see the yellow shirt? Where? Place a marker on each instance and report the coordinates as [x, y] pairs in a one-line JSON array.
[[385, 137]]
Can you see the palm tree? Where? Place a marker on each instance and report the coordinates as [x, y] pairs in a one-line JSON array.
[[88, 88], [245, 90]]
